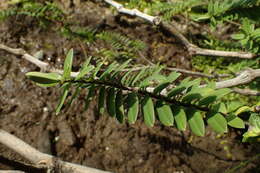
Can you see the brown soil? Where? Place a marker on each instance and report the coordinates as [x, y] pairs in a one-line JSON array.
[[83, 137]]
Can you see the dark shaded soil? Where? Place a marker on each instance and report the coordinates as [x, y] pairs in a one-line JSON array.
[[83, 137]]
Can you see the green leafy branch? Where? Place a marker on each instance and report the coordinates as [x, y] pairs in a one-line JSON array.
[[126, 93]]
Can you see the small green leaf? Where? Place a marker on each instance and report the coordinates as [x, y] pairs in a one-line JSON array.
[[234, 105], [254, 120], [44, 79], [217, 122], [86, 68], [242, 109], [235, 121], [180, 117], [196, 122], [171, 78], [65, 87], [153, 78], [111, 102], [148, 111], [186, 83], [97, 69], [164, 113], [68, 65], [101, 100], [120, 107], [239, 36], [109, 70], [133, 107], [220, 107], [222, 92]]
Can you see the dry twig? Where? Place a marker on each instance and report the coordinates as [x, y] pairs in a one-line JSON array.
[[42, 159], [246, 91], [192, 49]]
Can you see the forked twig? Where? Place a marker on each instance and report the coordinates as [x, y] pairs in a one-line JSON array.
[[192, 49]]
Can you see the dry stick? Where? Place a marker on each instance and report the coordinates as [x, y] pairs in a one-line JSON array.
[[243, 78], [246, 92], [186, 71], [42, 65], [42, 159], [193, 49]]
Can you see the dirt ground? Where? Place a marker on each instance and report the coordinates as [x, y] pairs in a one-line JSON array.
[[83, 137]]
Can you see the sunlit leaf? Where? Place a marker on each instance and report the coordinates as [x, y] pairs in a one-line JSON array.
[[148, 111], [44, 79], [217, 122], [219, 107], [68, 65], [155, 77], [235, 121], [171, 78], [133, 107], [180, 117], [242, 109], [234, 105], [196, 122], [164, 113], [222, 92]]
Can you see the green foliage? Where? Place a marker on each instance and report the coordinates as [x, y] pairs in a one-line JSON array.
[[120, 92], [44, 79], [249, 36], [125, 94], [116, 46], [45, 12], [169, 9]]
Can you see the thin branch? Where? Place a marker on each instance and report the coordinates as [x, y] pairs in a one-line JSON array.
[[42, 65], [247, 92], [244, 77], [193, 73], [41, 159], [193, 49], [186, 71]]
